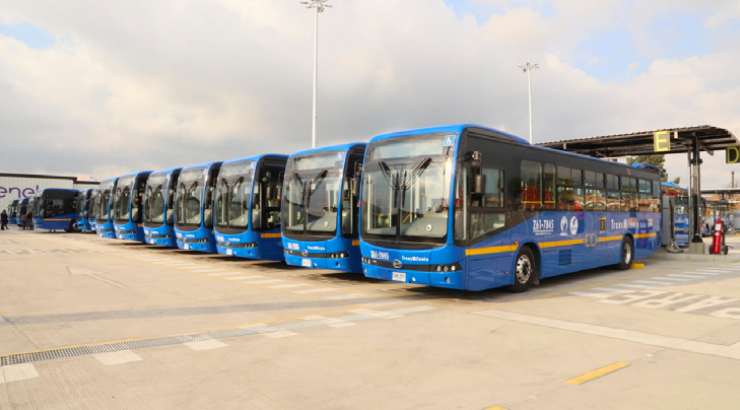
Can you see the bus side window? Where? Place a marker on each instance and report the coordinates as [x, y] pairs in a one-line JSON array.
[[548, 193], [531, 185]]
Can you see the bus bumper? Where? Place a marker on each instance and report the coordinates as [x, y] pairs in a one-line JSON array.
[[339, 264], [451, 280]]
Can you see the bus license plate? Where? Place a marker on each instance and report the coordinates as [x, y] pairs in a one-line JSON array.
[[306, 263], [399, 276], [229, 251]]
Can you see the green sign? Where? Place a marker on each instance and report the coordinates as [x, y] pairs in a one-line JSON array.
[[733, 155]]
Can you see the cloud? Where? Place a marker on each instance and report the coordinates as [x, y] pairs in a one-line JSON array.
[[150, 85]]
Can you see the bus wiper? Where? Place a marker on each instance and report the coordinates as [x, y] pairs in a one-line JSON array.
[[389, 175], [408, 179]]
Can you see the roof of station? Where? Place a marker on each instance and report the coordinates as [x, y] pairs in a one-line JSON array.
[[642, 143]]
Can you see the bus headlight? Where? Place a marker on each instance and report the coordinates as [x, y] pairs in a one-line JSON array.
[[450, 267]]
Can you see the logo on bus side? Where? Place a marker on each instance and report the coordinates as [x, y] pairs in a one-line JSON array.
[[564, 226]]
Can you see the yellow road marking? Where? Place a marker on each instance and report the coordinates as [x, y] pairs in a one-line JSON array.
[[495, 408], [637, 266], [109, 342], [597, 373], [560, 292]]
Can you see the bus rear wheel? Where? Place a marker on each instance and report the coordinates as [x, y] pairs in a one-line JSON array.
[[525, 270], [627, 254]]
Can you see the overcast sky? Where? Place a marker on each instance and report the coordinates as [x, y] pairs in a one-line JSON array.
[[101, 88]]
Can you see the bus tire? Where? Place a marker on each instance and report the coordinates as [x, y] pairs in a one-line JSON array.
[[626, 254], [525, 270]]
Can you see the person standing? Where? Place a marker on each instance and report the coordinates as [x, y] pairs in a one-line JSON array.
[[23, 221], [29, 220], [3, 220]]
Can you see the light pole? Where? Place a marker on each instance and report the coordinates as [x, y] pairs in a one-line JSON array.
[[319, 5], [527, 68]]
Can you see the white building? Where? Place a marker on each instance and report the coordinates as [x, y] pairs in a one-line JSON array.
[[19, 186]]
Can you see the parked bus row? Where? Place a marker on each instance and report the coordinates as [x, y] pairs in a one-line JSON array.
[[461, 206]]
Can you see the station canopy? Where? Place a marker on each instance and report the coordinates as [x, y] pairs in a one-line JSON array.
[[643, 143]]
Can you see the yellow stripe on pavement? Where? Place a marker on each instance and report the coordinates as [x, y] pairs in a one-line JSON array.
[[598, 373]]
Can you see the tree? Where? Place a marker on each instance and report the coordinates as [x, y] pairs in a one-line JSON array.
[[677, 180], [656, 159]]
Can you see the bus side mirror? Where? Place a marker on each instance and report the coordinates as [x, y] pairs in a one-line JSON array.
[[479, 184], [355, 186]]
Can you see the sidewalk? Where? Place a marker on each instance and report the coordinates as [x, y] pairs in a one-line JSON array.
[[732, 240]]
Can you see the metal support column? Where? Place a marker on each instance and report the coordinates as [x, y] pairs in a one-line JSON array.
[[697, 244]]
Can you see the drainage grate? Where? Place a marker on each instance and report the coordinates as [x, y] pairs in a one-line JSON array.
[[355, 316]]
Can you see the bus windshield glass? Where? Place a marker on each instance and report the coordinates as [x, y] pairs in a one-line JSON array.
[[312, 185], [406, 188], [154, 198], [233, 193], [122, 200], [81, 205], [189, 196], [104, 201]]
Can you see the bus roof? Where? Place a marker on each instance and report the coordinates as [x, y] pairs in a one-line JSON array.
[[166, 171], [255, 158], [340, 147], [203, 165], [56, 189], [459, 128], [113, 179], [456, 128], [133, 174]]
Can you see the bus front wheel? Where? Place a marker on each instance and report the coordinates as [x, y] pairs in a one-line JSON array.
[[525, 270], [627, 254]]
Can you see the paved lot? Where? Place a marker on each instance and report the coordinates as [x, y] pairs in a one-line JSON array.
[[87, 323]]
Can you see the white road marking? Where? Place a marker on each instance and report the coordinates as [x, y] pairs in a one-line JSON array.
[[608, 290], [704, 272], [331, 322], [346, 296], [591, 295], [649, 282], [290, 286], [238, 277], [113, 358], [206, 270], [2, 320], [225, 274], [669, 279], [627, 285], [17, 372], [679, 275], [620, 334], [206, 344], [279, 334], [413, 309], [315, 290], [264, 282], [372, 313]]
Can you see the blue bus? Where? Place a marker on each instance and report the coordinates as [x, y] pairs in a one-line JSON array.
[[473, 208], [90, 209], [320, 208], [13, 212], [83, 210], [247, 207], [159, 207], [194, 207], [127, 206], [103, 203], [22, 210], [56, 209]]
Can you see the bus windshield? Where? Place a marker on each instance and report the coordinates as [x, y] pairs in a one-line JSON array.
[[122, 200], [103, 202], [406, 188], [81, 205], [189, 196], [154, 198], [233, 193], [312, 185]]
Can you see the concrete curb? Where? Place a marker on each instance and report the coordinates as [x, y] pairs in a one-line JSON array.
[[663, 255]]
